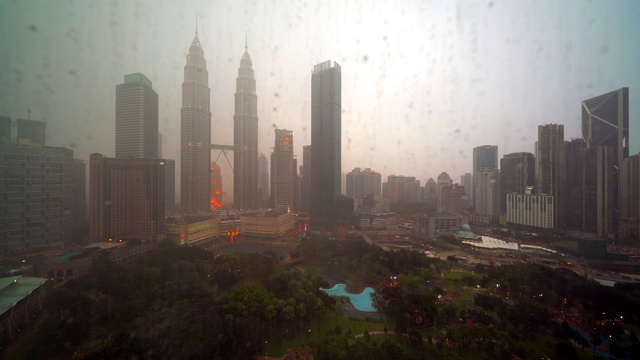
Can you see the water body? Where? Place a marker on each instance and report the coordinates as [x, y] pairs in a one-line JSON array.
[[361, 302]]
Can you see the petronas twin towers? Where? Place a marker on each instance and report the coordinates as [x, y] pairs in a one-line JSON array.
[[195, 134]]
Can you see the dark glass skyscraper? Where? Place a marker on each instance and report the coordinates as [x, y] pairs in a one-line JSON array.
[[605, 130], [550, 170], [326, 135], [574, 184], [195, 132], [517, 171], [245, 137]]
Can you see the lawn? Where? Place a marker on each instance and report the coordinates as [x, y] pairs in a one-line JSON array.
[[314, 332]]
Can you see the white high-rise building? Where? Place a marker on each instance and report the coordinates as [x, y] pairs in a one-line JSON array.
[[136, 118]]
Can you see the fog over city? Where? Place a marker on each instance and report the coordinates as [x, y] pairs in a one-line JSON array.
[[423, 82]]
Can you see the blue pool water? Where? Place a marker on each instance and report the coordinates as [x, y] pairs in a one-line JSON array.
[[360, 301]]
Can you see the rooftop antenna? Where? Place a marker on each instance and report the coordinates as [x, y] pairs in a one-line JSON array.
[[196, 24], [245, 41]]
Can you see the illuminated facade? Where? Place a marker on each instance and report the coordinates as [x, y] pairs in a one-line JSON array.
[[195, 133], [215, 192], [188, 231], [268, 226], [245, 137]]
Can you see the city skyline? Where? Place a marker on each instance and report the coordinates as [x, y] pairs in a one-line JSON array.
[[388, 103]]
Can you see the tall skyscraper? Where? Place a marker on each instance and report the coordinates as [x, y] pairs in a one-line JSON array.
[[282, 168], [326, 147], [630, 200], [195, 133], [485, 156], [263, 177], [574, 184], [136, 118], [605, 130], [550, 176], [517, 172], [466, 180], [79, 187], [443, 180], [488, 192], [216, 186], [305, 178], [245, 137]]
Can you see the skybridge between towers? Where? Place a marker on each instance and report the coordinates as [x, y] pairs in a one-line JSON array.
[[223, 149]]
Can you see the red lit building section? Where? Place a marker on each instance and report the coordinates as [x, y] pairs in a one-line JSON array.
[[216, 187]]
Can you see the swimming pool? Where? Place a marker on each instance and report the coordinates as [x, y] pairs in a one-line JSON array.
[[360, 301]]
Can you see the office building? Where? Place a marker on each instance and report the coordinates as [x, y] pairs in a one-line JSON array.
[[169, 187], [363, 182], [136, 118], [485, 156], [36, 198], [466, 180], [296, 184], [31, 132], [216, 186], [326, 146], [443, 180], [126, 198], [432, 226], [79, 188], [529, 210], [305, 178], [402, 189], [629, 226], [452, 199], [605, 130], [487, 192], [282, 172], [195, 133], [574, 185], [5, 130], [263, 177], [245, 137], [517, 172], [550, 169], [431, 190]]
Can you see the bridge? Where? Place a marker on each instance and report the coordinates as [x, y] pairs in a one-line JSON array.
[[222, 149]]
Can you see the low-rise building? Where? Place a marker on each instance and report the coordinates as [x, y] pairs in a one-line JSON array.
[[370, 219], [192, 230], [21, 299], [431, 226]]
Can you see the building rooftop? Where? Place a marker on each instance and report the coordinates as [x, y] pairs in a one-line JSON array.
[[15, 288]]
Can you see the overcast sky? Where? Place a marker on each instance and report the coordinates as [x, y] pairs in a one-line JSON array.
[[423, 82]]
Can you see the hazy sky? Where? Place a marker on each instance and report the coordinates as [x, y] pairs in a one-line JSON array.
[[423, 81]]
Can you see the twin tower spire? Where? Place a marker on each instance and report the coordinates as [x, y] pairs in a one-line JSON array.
[[195, 137]]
